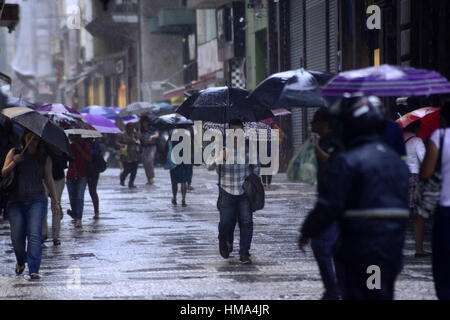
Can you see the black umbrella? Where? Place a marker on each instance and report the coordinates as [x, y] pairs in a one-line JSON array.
[[39, 125], [291, 89], [172, 121], [220, 105]]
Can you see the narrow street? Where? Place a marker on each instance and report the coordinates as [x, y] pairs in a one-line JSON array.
[[144, 248]]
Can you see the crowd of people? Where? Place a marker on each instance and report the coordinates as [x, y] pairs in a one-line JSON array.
[[368, 177], [41, 171]]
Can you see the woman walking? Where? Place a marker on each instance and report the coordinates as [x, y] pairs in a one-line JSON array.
[[179, 174], [439, 148], [128, 142], [59, 163], [149, 138], [77, 177], [93, 175], [27, 203]]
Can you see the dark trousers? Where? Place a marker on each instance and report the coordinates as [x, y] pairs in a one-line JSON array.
[[323, 248], [129, 168], [441, 253], [232, 209]]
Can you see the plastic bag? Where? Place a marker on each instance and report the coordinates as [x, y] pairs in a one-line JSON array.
[[303, 167]]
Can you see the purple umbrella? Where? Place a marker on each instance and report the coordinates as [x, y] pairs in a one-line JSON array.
[[387, 81], [101, 123], [58, 108]]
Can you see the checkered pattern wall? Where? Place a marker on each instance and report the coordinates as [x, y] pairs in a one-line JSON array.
[[237, 73]]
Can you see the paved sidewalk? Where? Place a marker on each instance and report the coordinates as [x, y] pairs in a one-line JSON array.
[[144, 248]]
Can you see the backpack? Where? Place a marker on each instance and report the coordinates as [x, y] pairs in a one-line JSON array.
[[254, 190]]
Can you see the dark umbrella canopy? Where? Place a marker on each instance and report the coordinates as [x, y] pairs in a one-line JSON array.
[[291, 89], [172, 121], [220, 105], [39, 125]]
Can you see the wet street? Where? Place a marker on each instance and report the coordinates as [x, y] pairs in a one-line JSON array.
[[143, 247]]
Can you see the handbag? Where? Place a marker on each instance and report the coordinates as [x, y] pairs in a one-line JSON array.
[[428, 192], [7, 182], [97, 165], [169, 165], [254, 190]]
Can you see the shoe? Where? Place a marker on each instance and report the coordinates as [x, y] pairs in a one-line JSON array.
[[19, 269], [78, 224], [245, 259], [69, 212], [43, 238], [122, 183], [190, 188], [230, 247], [35, 276], [96, 216], [183, 204], [174, 201], [56, 242], [422, 255], [223, 249]]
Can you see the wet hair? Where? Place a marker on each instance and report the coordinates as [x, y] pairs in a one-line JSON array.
[[322, 115], [236, 122], [413, 127], [445, 112]]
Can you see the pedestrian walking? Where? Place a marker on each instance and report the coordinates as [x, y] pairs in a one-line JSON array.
[[415, 150], [233, 203], [77, 177], [366, 191], [128, 142], [326, 147], [439, 148], [59, 164], [179, 173], [27, 202], [149, 139], [93, 175]]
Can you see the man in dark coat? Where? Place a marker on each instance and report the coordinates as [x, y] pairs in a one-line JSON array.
[[366, 191]]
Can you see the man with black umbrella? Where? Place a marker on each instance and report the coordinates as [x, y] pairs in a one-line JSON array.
[[233, 203]]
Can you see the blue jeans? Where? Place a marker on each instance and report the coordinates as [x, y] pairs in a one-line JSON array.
[[441, 253], [76, 189], [26, 220], [323, 246], [236, 208]]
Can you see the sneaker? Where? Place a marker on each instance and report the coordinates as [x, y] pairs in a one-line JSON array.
[[56, 242], [69, 212], [35, 276], [78, 224], [245, 259], [223, 249]]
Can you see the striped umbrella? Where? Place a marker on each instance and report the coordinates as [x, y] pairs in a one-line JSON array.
[[387, 81]]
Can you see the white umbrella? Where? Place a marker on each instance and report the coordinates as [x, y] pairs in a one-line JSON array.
[[136, 108]]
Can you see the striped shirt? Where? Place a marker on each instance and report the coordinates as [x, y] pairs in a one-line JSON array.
[[232, 176]]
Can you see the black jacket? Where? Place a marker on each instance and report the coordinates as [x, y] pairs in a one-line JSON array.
[[367, 181]]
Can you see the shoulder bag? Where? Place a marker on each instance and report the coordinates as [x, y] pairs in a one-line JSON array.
[[428, 192]]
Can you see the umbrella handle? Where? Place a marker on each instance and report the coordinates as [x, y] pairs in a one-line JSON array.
[[24, 149]]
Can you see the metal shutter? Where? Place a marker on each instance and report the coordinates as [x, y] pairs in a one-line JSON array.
[[297, 47]]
